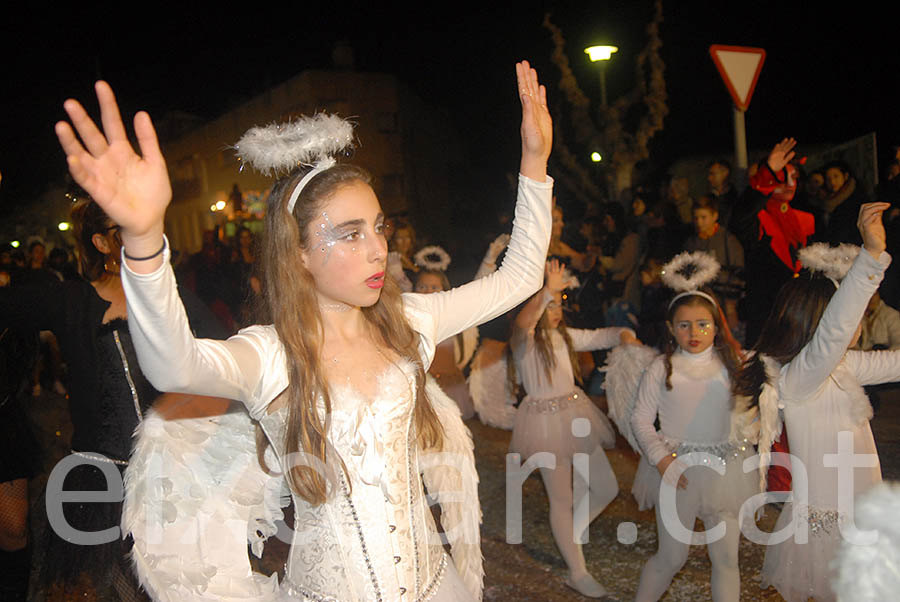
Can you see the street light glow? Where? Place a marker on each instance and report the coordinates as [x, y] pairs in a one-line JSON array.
[[595, 157], [220, 205], [212, 207], [600, 53], [63, 226], [15, 244]]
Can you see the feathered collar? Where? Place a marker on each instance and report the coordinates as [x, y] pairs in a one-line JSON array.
[[697, 366]]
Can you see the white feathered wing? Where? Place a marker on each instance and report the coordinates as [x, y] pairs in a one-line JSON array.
[[451, 478], [625, 368], [489, 387], [195, 496]]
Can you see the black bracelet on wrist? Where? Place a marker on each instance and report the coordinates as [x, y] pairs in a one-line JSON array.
[[157, 254]]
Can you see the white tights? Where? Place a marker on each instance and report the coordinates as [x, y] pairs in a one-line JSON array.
[[602, 487], [672, 554]]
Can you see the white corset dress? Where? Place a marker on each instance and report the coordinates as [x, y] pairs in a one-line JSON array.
[[375, 538]]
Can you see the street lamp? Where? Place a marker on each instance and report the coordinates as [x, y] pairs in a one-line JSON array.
[[601, 54]]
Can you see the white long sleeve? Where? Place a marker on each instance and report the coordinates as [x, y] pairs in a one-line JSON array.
[[438, 316], [645, 410], [804, 374], [874, 367], [251, 366], [596, 338]]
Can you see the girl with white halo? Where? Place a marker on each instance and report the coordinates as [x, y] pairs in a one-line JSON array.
[[339, 375], [688, 390], [556, 416]]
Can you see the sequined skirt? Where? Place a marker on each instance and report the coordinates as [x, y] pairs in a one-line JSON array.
[[800, 571], [563, 425], [716, 493]]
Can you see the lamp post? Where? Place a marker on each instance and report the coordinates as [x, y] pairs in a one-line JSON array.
[[601, 54]]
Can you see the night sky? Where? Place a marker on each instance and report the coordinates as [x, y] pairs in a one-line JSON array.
[[829, 75]]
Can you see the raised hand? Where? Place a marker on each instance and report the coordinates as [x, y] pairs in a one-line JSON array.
[[133, 190], [537, 125], [554, 277], [871, 227], [496, 247], [781, 154]]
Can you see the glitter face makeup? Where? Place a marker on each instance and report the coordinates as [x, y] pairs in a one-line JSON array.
[[326, 236], [351, 232], [693, 328], [347, 250]]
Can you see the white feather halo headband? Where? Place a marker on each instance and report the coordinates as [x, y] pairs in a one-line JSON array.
[[278, 148], [832, 262], [687, 272], [432, 258]]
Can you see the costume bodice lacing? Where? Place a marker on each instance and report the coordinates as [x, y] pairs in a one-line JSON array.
[[374, 538]]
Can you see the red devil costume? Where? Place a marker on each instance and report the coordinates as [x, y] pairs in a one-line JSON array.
[[786, 228], [772, 233]]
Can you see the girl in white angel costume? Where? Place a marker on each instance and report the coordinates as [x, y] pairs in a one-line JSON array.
[[689, 390], [558, 417], [805, 372], [336, 381]]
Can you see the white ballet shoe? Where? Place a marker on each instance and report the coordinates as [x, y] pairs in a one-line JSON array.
[[586, 586]]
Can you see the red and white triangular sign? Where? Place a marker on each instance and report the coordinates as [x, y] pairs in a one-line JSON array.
[[739, 67]]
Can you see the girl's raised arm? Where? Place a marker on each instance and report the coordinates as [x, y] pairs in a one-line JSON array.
[[441, 315], [134, 190], [531, 312], [816, 361]]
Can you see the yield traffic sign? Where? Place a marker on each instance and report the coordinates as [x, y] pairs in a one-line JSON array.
[[739, 67]]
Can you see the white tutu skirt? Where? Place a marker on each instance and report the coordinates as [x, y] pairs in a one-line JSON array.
[[553, 425], [801, 571], [713, 494]]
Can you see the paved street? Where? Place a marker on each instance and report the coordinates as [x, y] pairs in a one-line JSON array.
[[534, 570]]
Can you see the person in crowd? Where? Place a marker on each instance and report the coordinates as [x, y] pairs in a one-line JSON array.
[[340, 374], [771, 232], [841, 204], [880, 326], [401, 265], [554, 410], [243, 275], [452, 356], [58, 262], [20, 457], [711, 237], [654, 295], [581, 262], [619, 265], [803, 368], [108, 395], [721, 190], [206, 273], [677, 192]]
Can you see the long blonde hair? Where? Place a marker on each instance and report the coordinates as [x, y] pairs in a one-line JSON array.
[[290, 302]]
